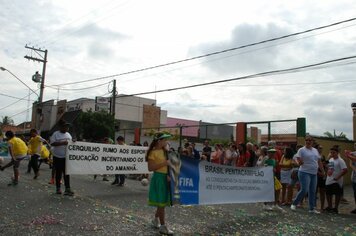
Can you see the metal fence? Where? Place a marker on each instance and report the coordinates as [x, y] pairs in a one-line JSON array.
[[284, 132]]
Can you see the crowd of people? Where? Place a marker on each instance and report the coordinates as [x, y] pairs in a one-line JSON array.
[[305, 169], [299, 174]]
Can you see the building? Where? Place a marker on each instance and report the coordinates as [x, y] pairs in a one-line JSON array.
[[130, 112]]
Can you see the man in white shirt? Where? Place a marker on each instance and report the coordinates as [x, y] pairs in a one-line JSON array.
[[59, 141]]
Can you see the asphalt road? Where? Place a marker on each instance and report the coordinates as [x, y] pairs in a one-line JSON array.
[[98, 208]]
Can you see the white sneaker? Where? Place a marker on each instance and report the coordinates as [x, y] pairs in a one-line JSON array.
[[293, 207], [164, 230], [155, 223], [278, 208], [315, 211], [267, 208]]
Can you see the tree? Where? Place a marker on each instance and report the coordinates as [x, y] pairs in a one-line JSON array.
[[6, 120], [94, 126], [336, 136]]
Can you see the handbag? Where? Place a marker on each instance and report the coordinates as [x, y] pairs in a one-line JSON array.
[[277, 184]]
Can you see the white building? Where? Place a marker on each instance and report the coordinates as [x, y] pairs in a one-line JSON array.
[[130, 111]]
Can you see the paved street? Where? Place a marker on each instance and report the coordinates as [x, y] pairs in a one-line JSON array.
[[98, 208]]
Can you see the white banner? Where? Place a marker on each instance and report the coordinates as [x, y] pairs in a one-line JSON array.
[[98, 158], [205, 183], [226, 184]]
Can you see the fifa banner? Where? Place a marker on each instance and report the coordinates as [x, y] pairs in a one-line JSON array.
[[201, 183], [4, 151], [98, 158]]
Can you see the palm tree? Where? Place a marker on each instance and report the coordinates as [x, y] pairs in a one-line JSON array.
[[336, 136]]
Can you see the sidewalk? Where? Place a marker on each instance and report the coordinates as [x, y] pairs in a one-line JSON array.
[[98, 208]]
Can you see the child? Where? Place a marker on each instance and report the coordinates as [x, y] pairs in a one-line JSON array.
[[35, 146], [18, 151], [270, 161], [159, 194], [334, 179]]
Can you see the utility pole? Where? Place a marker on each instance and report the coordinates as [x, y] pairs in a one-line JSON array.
[[43, 59], [113, 98]]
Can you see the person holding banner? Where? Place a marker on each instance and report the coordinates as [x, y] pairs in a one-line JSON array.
[[18, 151], [59, 141], [119, 178], [159, 193]]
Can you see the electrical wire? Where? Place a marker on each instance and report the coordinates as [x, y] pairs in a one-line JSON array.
[[262, 74], [79, 28], [21, 112], [239, 53], [214, 53], [53, 33], [6, 95], [77, 89], [19, 99]]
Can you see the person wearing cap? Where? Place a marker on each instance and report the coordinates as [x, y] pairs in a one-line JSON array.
[[119, 179], [59, 141], [334, 180], [271, 161], [18, 151], [159, 195], [309, 161]]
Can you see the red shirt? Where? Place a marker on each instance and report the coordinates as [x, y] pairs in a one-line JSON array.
[[242, 159]]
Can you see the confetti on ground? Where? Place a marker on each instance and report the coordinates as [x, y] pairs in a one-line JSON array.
[[44, 220]]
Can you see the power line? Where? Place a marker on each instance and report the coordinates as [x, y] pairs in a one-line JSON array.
[[241, 53], [77, 89], [19, 99], [52, 34], [215, 53], [6, 95], [21, 112], [262, 74], [79, 28]]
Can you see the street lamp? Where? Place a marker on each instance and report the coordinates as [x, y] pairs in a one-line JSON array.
[[4, 69]]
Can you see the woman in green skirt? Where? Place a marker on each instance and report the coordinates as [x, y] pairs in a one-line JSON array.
[[159, 194]]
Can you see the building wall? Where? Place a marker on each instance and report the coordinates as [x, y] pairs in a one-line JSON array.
[[48, 118], [84, 104], [186, 131], [131, 107], [220, 131]]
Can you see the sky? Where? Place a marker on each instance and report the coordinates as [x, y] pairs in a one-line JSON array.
[[99, 41]]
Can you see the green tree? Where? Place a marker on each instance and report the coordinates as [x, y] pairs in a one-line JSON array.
[[94, 126], [336, 136], [6, 120]]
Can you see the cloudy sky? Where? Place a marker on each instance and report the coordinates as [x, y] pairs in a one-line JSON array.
[[90, 40]]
